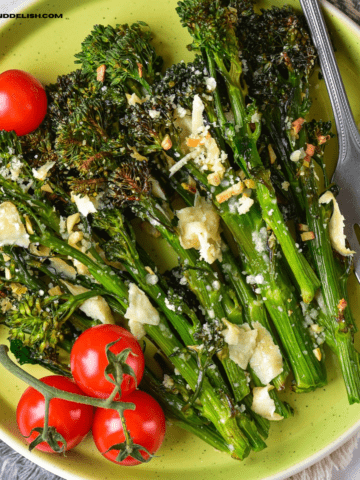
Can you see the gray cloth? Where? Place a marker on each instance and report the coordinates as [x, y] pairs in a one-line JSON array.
[[15, 467]]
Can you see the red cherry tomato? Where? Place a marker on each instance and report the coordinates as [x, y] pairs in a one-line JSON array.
[[146, 425], [23, 102], [88, 360], [72, 420]]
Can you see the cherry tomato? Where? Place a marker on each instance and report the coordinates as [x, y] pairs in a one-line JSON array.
[[88, 360], [146, 425], [23, 102], [72, 420]]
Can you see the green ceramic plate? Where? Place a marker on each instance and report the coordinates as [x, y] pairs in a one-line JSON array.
[[323, 420]]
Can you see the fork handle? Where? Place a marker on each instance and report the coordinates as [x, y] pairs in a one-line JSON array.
[[345, 123]]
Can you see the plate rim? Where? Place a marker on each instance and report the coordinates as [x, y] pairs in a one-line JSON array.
[[44, 462]]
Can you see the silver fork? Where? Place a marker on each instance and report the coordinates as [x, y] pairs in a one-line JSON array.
[[347, 173]]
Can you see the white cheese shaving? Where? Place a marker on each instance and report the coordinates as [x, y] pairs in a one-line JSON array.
[[336, 226], [266, 360], [200, 229], [241, 341], [133, 99], [210, 84], [298, 155], [244, 204], [41, 173], [263, 404], [95, 307], [84, 204], [12, 230], [62, 268], [256, 117], [197, 115], [140, 311], [156, 189]]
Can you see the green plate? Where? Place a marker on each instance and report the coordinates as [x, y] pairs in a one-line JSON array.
[[323, 420]]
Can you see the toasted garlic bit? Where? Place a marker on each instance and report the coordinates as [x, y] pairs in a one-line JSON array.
[[306, 236], [302, 227], [342, 305], [136, 155], [47, 188], [317, 353], [71, 221], [18, 289], [55, 291], [28, 225], [250, 183], [166, 143], [336, 226], [230, 192], [100, 73], [272, 154]]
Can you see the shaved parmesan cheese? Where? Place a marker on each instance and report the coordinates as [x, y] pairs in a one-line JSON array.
[[140, 311], [266, 360], [298, 155], [95, 307], [156, 189], [256, 117], [12, 230], [241, 341], [136, 155], [5, 305], [133, 99], [200, 229], [210, 84], [62, 268], [84, 204], [336, 226], [71, 221], [197, 115], [263, 404], [41, 173]]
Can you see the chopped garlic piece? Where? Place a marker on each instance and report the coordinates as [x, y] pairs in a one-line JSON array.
[[5, 305], [241, 341], [266, 360], [41, 173], [71, 221], [12, 230], [140, 311], [336, 226], [200, 229], [263, 404], [94, 307]]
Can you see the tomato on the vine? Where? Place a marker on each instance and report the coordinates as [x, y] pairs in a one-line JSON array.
[[72, 420], [88, 360], [23, 102], [146, 425]]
